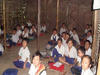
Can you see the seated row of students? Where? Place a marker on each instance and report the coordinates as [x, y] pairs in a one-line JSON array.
[[23, 61]]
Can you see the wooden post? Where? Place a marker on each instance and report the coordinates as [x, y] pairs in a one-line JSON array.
[[39, 12], [4, 23], [57, 17], [94, 36], [98, 70]]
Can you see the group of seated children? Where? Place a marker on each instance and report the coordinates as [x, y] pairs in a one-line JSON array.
[[23, 61], [28, 32], [64, 50]]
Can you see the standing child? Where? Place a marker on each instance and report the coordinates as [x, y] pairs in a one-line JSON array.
[[23, 60], [36, 67], [87, 48], [86, 64], [76, 69]]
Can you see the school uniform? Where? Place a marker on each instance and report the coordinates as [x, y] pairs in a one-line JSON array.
[[64, 42], [1, 49], [24, 53], [14, 40], [88, 52], [29, 24], [43, 28], [90, 39], [53, 38], [19, 32], [76, 38], [33, 70], [70, 55], [87, 72], [62, 30], [58, 52]]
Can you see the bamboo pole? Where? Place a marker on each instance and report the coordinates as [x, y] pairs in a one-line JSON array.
[[57, 17], [39, 12], [94, 36], [4, 22]]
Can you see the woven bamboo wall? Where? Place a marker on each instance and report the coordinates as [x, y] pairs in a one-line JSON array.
[[75, 13]]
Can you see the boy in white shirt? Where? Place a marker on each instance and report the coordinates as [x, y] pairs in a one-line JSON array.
[[23, 60], [87, 48], [89, 36], [63, 28], [36, 67], [53, 41], [43, 28], [14, 39], [1, 49], [70, 53], [75, 36], [58, 50], [86, 64], [29, 23], [25, 34]]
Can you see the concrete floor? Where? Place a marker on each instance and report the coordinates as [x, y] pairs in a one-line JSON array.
[[11, 53]]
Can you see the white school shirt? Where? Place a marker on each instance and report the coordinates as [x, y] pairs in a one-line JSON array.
[[76, 38], [1, 32], [72, 53], [90, 39], [54, 36], [87, 72], [62, 30], [25, 35], [64, 42], [29, 24], [1, 48], [15, 38], [78, 59], [19, 32], [43, 28], [60, 50], [33, 70], [24, 53], [88, 52], [32, 31]]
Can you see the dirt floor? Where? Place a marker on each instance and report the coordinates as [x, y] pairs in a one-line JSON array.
[[11, 53]]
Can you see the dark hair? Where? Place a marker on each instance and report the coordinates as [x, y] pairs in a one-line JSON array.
[[54, 29], [59, 39], [14, 29], [64, 33], [90, 31], [68, 34], [74, 29], [37, 54], [25, 40], [90, 59], [82, 49], [70, 40], [88, 42]]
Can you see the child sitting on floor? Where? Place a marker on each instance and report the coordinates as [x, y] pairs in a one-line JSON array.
[[14, 39], [86, 64], [43, 28], [75, 37], [23, 60], [19, 32], [32, 32], [76, 69], [25, 34], [58, 50], [63, 28], [87, 48], [1, 49], [36, 67], [89, 36], [70, 53], [54, 38]]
